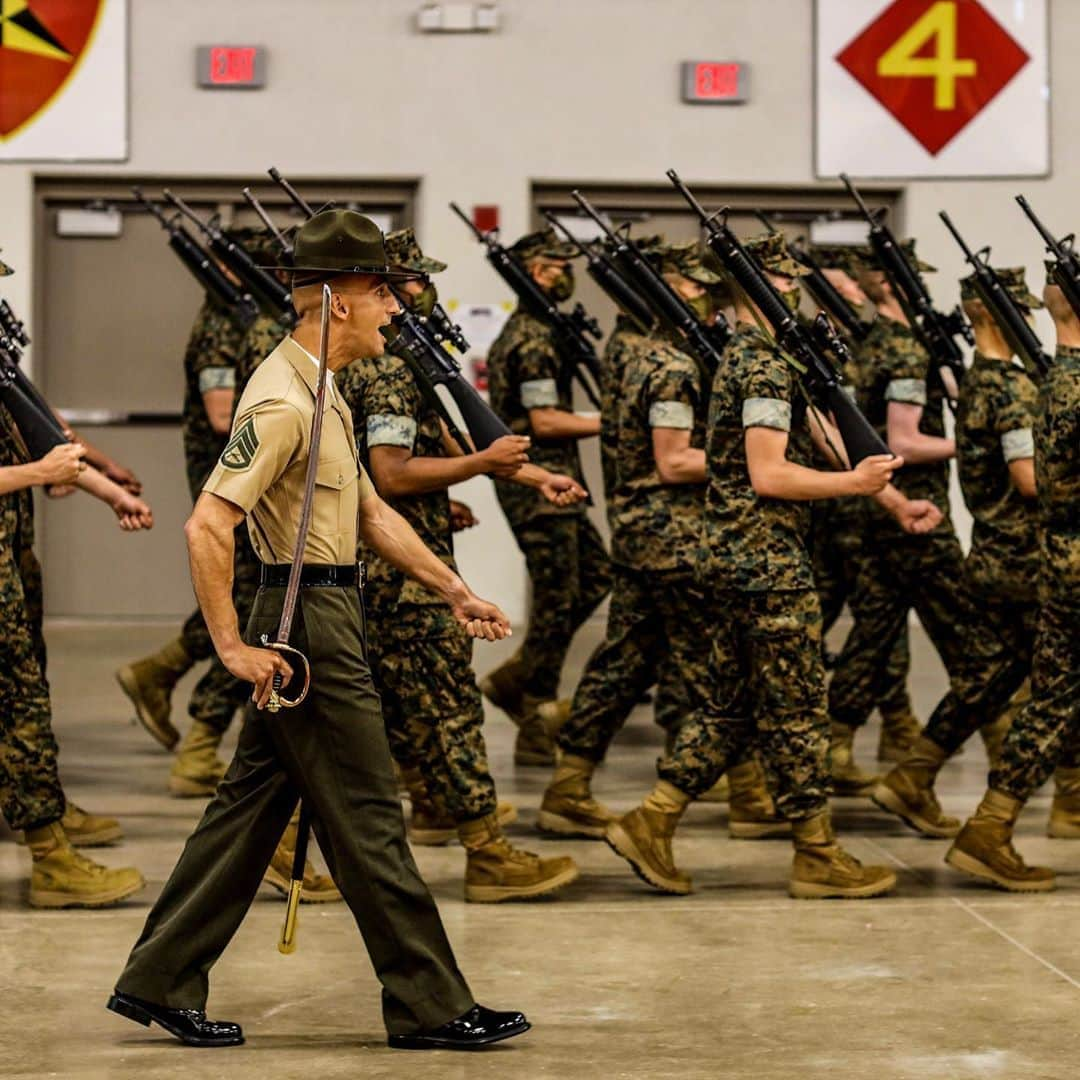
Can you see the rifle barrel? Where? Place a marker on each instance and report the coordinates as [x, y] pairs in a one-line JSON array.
[[297, 199]]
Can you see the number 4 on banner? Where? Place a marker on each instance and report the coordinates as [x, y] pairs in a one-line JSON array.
[[901, 61]]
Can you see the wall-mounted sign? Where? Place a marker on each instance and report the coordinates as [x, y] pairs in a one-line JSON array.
[[715, 82], [230, 67], [63, 80], [932, 88]]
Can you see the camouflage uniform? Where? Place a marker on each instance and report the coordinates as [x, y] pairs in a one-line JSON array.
[[209, 364], [656, 621], [30, 792], [421, 658], [1047, 730], [767, 679], [899, 571], [218, 694], [568, 567]]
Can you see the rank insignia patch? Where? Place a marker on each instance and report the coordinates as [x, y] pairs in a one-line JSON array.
[[240, 452]]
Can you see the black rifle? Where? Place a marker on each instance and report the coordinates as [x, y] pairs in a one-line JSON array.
[[420, 348], [1002, 307], [572, 331], [12, 327], [39, 428], [268, 222], [297, 200], [604, 273], [241, 306], [260, 283], [936, 331], [825, 294], [807, 347], [705, 342], [445, 329], [1066, 271]]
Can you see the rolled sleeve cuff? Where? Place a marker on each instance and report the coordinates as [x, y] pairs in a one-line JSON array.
[[767, 413], [387, 429], [907, 391], [671, 414], [216, 378], [1018, 445], [539, 394]]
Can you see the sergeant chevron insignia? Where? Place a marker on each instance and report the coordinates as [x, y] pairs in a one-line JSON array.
[[240, 452]]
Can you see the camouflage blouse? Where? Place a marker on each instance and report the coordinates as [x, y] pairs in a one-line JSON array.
[[389, 409], [655, 525], [994, 424], [1057, 474], [893, 366], [614, 359], [526, 372], [749, 542], [16, 507]]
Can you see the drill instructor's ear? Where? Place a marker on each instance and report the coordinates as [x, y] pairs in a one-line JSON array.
[[339, 305]]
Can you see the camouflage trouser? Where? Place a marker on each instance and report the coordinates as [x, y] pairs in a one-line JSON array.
[[1047, 733], [898, 572], [421, 660], [30, 792], [1003, 669], [218, 694], [656, 630], [835, 574], [570, 573], [766, 692]]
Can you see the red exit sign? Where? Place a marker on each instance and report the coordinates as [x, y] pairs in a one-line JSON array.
[[231, 67], [715, 82]]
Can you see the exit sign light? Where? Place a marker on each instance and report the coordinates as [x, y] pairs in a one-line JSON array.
[[712, 82], [231, 67]]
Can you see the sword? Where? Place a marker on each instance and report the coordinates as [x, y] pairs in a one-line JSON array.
[[278, 701]]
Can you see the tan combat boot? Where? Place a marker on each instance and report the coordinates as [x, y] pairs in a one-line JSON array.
[[63, 878], [1064, 821], [751, 811], [149, 684], [197, 769], [720, 792], [984, 848], [569, 808], [908, 791], [503, 687], [848, 780], [554, 715], [431, 824], [823, 870], [495, 870], [643, 838], [533, 745], [899, 730], [86, 830], [317, 888]]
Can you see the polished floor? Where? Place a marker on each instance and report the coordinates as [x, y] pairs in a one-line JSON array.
[[943, 981]]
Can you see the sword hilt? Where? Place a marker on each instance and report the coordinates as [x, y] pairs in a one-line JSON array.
[[277, 700]]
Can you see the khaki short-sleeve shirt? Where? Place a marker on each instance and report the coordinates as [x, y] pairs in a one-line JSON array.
[[263, 467]]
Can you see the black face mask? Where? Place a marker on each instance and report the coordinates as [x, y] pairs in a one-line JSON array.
[[562, 288], [424, 303]]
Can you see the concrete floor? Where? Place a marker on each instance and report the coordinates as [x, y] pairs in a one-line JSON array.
[[944, 981]]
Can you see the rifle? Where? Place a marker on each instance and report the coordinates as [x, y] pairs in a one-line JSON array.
[[39, 428], [808, 348], [1066, 271], [824, 292], [258, 282], [241, 306], [297, 200], [604, 273], [571, 331], [268, 222], [12, 327], [1005, 311], [934, 329], [706, 343], [433, 366]]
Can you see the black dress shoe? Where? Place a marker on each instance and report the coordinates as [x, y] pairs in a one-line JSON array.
[[190, 1026], [478, 1027]]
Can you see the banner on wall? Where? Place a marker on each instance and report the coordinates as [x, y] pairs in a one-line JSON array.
[[63, 80], [932, 88]]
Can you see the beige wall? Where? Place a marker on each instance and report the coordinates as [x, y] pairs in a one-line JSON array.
[[584, 91]]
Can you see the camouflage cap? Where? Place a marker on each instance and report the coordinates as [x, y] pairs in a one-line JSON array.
[[850, 258], [771, 250], [402, 250], [1012, 277], [545, 244], [870, 261], [684, 258], [5, 270]]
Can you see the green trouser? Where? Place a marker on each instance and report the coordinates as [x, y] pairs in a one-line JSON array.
[[656, 629], [332, 752], [570, 574]]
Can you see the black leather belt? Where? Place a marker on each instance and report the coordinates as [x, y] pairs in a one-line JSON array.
[[314, 576]]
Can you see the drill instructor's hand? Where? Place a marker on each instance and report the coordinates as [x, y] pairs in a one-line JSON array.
[[258, 667]]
